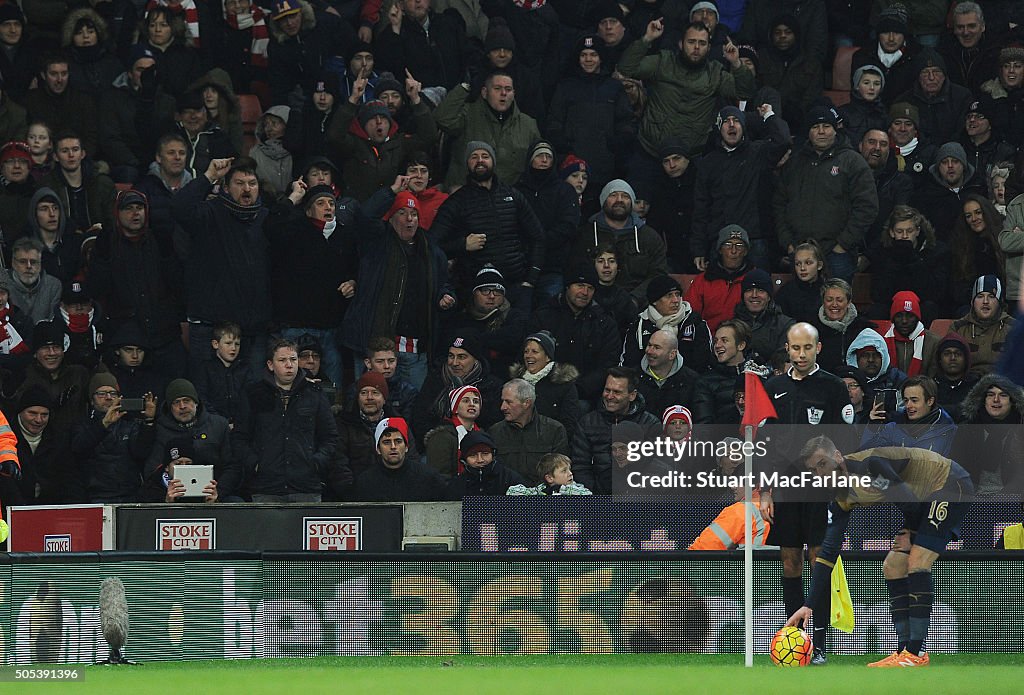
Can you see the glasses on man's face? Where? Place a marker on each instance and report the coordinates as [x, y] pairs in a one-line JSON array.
[[734, 246], [106, 394], [491, 291], [27, 262]]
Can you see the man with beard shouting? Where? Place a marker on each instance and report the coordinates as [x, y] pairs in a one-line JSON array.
[[684, 88]]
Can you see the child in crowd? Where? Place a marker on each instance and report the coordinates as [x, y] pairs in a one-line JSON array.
[[556, 471], [220, 381]]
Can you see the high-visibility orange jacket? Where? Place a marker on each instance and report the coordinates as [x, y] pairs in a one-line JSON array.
[[726, 531]]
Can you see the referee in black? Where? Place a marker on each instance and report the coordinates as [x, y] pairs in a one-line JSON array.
[[806, 395]]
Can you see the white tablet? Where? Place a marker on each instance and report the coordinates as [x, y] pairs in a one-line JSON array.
[[194, 478]]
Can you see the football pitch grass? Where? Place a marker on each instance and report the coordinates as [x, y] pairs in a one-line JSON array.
[[620, 674]]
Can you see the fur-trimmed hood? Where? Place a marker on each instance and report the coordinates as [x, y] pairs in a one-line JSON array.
[[561, 373], [67, 29], [974, 403], [308, 22], [219, 79]]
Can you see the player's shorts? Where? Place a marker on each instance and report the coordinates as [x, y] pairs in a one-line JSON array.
[[798, 523], [937, 519]]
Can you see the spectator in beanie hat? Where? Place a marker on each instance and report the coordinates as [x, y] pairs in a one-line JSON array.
[[586, 336], [911, 347], [481, 472], [986, 326], [641, 249], [491, 319], [465, 365], [314, 257], [667, 311], [715, 293], [364, 139], [591, 115], [203, 437], [396, 475], [489, 222], [576, 173]]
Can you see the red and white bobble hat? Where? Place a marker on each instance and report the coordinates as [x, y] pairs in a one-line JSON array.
[[456, 395], [391, 423]]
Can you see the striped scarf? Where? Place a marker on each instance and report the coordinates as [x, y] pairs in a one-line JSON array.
[[241, 213], [254, 20], [530, 4], [191, 12], [917, 337]]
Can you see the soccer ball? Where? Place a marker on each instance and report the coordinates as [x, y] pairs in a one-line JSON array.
[[790, 647]]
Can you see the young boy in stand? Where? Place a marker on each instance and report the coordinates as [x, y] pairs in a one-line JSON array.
[[556, 471]]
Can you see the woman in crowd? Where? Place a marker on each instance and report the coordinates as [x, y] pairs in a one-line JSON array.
[[974, 246], [838, 323], [557, 397], [177, 65]]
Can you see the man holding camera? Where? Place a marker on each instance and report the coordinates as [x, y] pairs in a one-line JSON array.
[[113, 441]]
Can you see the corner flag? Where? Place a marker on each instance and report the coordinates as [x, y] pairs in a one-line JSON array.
[[842, 602], [758, 405]]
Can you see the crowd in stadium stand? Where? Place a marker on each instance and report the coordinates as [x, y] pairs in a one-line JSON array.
[[399, 250]]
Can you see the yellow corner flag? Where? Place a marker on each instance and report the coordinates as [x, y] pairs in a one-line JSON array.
[[842, 602]]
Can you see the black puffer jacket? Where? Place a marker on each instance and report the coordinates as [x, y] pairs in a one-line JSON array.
[[860, 116], [588, 341], [592, 449], [923, 269], [515, 238], [114, 457], [800, 300], [675, 389], [410, 483], [713, 396], [287, 447], [941, 115]]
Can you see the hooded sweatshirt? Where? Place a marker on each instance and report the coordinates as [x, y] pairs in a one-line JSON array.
[[61, 258]]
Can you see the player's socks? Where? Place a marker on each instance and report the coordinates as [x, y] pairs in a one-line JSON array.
[[899, 602], [792, 594], [821, 621], [921, 597]]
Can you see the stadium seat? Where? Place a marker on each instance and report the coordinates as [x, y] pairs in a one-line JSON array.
[[251, 112], [684, 280], [862, 290], [780, 279], [940, 327], [881, 325], [840, 92]]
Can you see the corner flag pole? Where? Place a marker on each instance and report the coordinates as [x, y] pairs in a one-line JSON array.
[[748, 551]]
